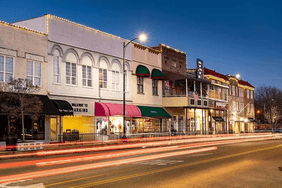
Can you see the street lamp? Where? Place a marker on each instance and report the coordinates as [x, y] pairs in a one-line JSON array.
[[238, 76], [142, 38]]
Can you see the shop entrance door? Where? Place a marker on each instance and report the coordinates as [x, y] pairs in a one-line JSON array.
[[54, 128]]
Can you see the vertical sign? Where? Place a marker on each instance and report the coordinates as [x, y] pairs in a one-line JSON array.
[[200, 70]]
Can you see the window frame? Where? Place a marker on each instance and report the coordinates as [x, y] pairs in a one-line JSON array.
[[33, 75], [155, 87], [102, 81], [72, 77], [140, 85], [4, 67], [86, 76], [57, 76], [115, 82]]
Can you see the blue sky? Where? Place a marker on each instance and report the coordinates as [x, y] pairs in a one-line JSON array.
[[230, 37]]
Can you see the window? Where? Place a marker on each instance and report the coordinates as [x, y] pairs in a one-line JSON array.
[[233, 90], [33, 72], [103, 78], [125, 80], [86, 76], [241, 94], [241, 108], [6, 68], [56, 69], [251, 94], [173, 63], [140, 84], [155, 87], [71, 73], [247, 93], [115, 80]]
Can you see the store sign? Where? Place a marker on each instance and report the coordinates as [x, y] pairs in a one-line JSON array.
[[200, 70], [80, 107], [220, 105]]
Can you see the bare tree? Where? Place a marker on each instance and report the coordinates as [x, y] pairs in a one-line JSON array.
[[268, 100], [17, 100]]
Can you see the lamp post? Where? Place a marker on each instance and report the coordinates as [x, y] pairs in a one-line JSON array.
[[142, 38]]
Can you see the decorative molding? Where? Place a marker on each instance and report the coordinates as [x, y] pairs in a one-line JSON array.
[[34, 57], [8, 52]]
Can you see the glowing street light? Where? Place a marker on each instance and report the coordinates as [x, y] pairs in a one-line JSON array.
[[238, 76], [142, 38]]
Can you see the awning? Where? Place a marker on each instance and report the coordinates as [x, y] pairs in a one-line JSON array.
[[157, 112], [48, 107], [142, 71], [157, 74], [252, 119], [111, 109], [219, 119], [64, 107]]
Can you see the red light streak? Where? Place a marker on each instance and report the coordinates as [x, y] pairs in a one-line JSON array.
[[44, 173]]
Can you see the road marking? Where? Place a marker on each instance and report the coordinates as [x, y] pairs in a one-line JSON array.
[[158, 162], [170, 168], [84, 178]]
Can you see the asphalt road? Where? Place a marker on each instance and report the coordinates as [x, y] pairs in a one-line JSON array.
[[248, 164]]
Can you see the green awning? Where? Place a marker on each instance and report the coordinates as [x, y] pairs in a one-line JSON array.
[[156, 112], [142, 71], [157, 74]]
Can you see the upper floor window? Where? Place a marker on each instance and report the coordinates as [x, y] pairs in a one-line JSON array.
[[6, 68], [103, 74], [241, 94], [115, 80], [56, 67], [33, 72], [233, 90], [251, 94], [247, 93], [140, 84], [86, 76], [155, 86], [71, 73]]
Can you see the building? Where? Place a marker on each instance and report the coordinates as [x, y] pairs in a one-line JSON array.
[[147, 80], [185, 93], [23, 54], [233, 102]]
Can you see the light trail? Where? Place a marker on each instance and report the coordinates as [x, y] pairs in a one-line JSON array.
[[128, 140], [128, 146], [44, 173], [110, 155]]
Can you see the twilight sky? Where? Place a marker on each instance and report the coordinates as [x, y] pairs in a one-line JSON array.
[[230, 37]]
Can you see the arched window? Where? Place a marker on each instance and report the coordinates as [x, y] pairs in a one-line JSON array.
[[115, 77], [87, 72], [56, 67], [103, 74], [71, 75]]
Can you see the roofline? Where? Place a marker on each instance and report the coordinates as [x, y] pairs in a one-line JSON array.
[[24, 28]]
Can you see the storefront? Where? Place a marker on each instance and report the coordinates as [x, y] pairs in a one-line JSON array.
[[42, 127], [153, 120], [109, 118], [197, 121]]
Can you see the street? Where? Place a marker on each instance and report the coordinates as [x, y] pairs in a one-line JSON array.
[[242, 164]]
